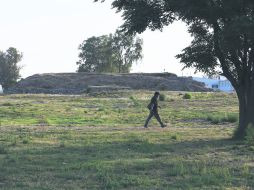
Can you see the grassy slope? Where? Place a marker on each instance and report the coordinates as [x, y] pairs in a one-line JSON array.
[[74, 142]]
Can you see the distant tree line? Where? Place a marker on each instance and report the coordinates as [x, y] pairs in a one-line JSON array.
[[9, 69], [113, 53]]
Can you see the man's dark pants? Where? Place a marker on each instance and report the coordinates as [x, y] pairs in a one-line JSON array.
[[156, 115]]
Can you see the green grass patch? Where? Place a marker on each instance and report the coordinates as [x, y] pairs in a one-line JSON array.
[[97, 141]]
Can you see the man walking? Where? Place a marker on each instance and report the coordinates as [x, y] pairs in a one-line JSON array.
[[153, 107]]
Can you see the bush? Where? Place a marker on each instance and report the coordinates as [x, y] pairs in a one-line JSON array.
[[135, 101], [162, 97], [25, 141], [232, 118], [3, 149], [132, 98], [62, 144], [250, 135], [101, 109], [175, 137], [216, 119], [7, 104], [88, 90], [187, 96]]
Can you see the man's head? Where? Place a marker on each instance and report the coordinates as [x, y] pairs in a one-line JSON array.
[[156, 94]]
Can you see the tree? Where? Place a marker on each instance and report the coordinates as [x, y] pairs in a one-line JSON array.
[[223, 39], [126, 50], [110, 53], [9, 70], [92, 55]]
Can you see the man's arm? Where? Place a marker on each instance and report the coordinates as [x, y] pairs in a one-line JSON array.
[[152, 106]]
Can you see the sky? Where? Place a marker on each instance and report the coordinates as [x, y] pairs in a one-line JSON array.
[[48, 33]]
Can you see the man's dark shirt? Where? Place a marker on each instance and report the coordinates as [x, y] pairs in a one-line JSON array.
[[154, 104]]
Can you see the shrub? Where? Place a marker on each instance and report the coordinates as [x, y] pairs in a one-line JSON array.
[[3, 150], [251, 148], [232, 118], [7, 104], [25, 141], [216, 119], [175, 137], [135, 101], [101, 109], [132, 98], [187, 96], [13, 141], [62, 144], [88, 90], [162, 97], [250, 135]]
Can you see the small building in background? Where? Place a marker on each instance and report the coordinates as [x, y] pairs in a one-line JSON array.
[[1, 89], [216, 84], [226, 86]]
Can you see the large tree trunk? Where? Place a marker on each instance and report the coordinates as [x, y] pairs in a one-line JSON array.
[[246, 109]]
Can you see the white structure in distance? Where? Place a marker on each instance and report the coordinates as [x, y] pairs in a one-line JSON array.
[[217, 84], [1, 89]]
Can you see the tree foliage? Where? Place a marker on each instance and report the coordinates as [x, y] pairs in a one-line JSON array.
[[9, 70], [113, 53], [223, 39]]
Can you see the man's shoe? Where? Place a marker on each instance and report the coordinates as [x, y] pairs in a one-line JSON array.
[[163, 126], [145, 127]]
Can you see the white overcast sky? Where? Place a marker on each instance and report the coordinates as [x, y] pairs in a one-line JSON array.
[[48, 32]]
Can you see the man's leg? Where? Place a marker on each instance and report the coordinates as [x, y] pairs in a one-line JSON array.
[[157, 116], [148, 119]]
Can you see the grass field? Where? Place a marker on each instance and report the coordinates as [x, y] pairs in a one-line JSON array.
[[98, 142]]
